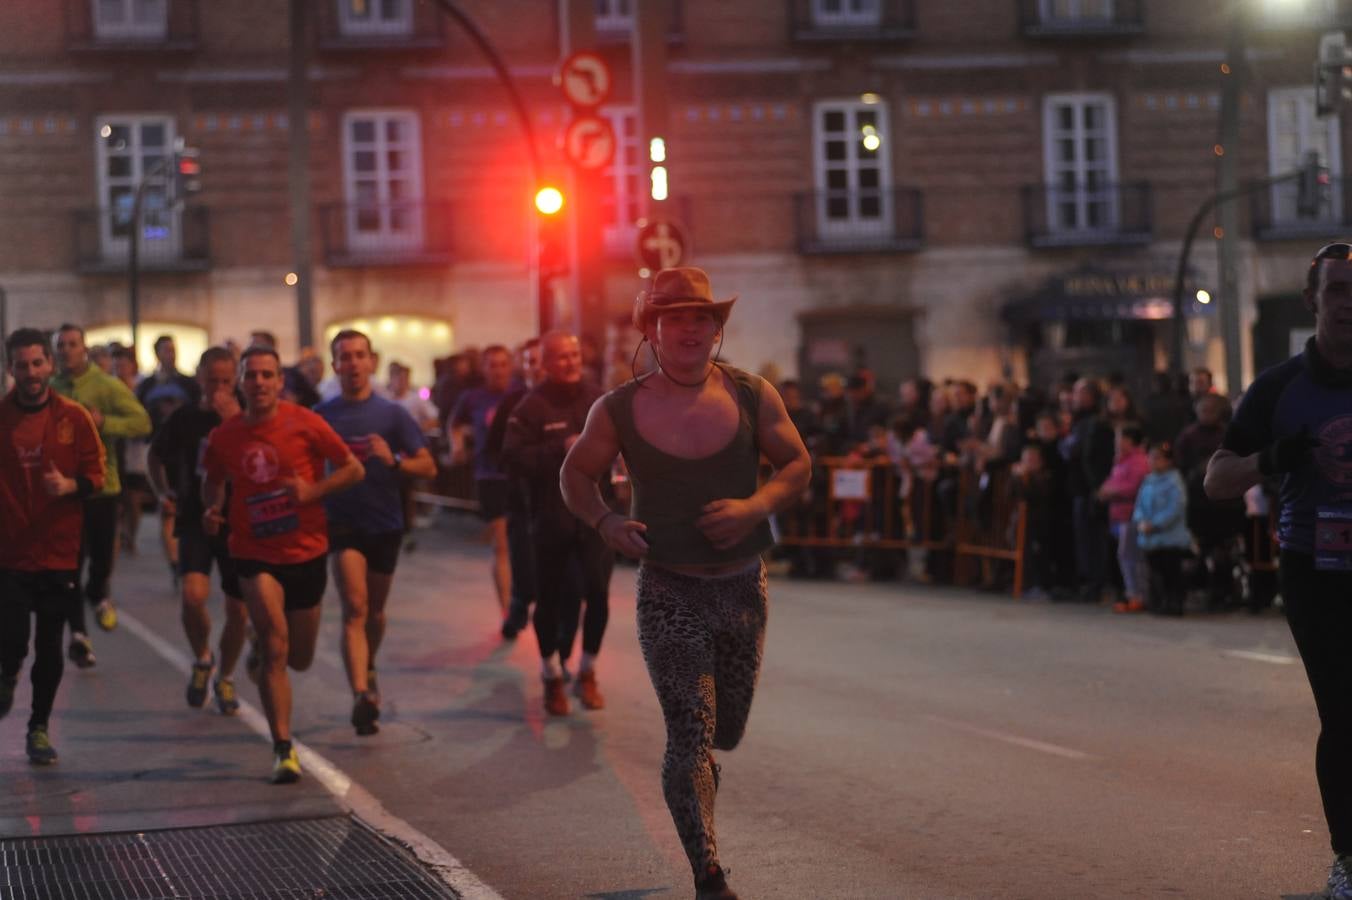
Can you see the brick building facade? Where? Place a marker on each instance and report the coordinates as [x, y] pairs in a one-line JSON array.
[[954, 187]]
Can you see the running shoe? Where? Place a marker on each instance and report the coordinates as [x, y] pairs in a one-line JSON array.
[[714, 885], [226, 701], [556, 701], [588, 692], [1340, 878], [39, 746], [364, 715], [7, 686], [198, 680], [286, 768], [106, 615], [81, 652]]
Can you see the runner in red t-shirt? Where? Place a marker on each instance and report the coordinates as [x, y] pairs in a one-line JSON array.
[[273, 456]]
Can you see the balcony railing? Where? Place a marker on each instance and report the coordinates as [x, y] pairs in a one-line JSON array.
[[1081, 18], [122, 30], [835, 20], [171, 240], [423, 27], [386, 234], [1105, 214], [1276, 218], [877, 221]]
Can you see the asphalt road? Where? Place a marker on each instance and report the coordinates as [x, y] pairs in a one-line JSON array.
[[905, 742]]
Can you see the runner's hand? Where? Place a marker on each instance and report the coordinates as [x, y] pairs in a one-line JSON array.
[[56, 484], [304, 490], [212, 520], [225, 404], [381, 450], [624, 535], [727, 522], [169, 505], [1288, 454]]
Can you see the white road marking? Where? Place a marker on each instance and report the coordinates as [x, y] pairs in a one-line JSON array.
[[1277, 659], [1016, 740], [349, 794]]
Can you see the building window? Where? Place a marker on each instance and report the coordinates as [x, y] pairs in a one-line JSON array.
[[852, 174], [378, 18], [1294, 131], [835, 13], [1076, 10], [1080, 143], [382, 173], [124, 19], [615, 15], [1299, 12], [128, 150], [625, 175]]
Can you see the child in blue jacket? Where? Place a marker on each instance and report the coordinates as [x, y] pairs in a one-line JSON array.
[[1160, 518]]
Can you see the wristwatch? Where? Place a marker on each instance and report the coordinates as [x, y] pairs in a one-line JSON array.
[[398, 459]]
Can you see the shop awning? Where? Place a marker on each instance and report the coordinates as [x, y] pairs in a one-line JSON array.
[[1092, 293]]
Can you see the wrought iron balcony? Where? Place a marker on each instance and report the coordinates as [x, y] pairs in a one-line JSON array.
[[863, 221], [1275, 217], [349, 26], [1080, 216], [386, 234], [171, 240], [835, 20], [1081, 18], [166, 25]]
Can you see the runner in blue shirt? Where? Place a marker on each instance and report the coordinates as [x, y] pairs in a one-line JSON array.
[[366, 524], [1296, 422], [469, 422]]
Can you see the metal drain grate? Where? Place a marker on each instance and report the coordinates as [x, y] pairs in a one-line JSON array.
[[334, 858]]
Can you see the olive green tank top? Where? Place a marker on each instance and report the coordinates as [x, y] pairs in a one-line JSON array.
[[670, 492]]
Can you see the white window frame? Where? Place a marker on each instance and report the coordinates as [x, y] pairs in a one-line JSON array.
[[610, 16], [1054, 167], [374, 26], [853, 225], [157, 209], [1064, 12], [1283, 196], [626, 181], [386, 236], [848, 17], [126, 28]]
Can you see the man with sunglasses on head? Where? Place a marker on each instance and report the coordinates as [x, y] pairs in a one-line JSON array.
[[1296, 422], [692, 434]]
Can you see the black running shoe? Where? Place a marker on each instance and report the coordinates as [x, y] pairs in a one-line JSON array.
[[364, 715], [81, 652]]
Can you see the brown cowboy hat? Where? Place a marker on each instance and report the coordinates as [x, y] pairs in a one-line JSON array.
[[684, 287]]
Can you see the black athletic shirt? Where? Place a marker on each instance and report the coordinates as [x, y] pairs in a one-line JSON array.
[[178, 444], [1303, 392]]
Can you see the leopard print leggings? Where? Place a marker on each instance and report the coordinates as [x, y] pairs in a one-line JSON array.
[[702, 640]]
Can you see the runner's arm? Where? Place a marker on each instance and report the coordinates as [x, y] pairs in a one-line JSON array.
[[1229, 475], [344, 475], [124, 416], [419, 465], [588, 461], [158, 477]]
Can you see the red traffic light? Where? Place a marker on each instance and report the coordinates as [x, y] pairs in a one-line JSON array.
[[189, 166]]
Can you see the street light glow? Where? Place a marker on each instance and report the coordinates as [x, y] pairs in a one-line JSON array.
[[549, 200], [1203, 297], [106, 131], [291, 279], [869, 98], [657, 150], [659, 178]]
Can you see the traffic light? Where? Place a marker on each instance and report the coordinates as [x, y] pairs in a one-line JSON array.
[[1312, 187], [1332, 75], [187, 172], [552, 249], [549, 200]]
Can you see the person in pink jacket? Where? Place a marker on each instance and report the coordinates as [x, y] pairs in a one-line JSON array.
[[1119, 492]]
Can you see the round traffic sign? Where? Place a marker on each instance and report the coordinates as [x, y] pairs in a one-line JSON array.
[[661, 245], [589, 142], [585, 79]]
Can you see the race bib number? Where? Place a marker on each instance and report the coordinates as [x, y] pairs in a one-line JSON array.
[[273, 513], [1333, 539]]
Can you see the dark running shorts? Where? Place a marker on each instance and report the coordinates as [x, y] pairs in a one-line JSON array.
[[197, 551], [381, 550], [492, 497], [303, 584]]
